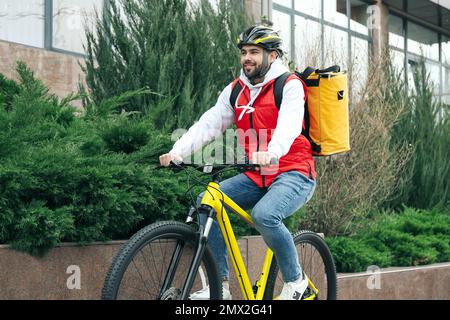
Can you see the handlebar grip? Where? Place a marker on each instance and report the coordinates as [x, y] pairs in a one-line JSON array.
[[176, 164]]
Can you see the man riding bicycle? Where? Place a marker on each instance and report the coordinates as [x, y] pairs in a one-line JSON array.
[[273, 195]]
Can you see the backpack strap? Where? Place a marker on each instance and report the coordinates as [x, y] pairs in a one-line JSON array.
[[335, 68], [237, 88], [305, 75], [278, 88], [278, 92]]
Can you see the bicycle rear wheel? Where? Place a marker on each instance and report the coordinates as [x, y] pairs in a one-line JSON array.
[[154, 263], [316, 261]]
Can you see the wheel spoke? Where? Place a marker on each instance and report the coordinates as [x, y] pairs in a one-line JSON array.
[[146, 264], [142, 279]]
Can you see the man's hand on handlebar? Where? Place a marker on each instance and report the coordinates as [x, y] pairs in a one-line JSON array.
[[166, 159], [264, 159]]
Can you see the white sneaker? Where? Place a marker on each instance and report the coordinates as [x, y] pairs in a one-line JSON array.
[[204, 293], [294, 290]]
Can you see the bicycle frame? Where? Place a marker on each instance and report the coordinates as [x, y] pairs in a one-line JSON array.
[[216, 199]]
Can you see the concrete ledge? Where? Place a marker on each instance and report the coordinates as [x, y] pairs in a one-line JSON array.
[[412, 283], [49, 278], [24, 277]]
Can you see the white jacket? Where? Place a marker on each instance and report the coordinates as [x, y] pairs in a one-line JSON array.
[[221, 117]]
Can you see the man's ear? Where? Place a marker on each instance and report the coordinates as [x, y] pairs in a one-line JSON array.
[[273, 55]]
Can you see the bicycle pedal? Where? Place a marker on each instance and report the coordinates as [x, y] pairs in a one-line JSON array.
[[309, 294]]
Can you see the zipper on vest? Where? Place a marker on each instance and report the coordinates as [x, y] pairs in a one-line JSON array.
[[263, 179]]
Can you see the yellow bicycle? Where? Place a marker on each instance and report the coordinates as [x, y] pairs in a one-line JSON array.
[[170, 260]]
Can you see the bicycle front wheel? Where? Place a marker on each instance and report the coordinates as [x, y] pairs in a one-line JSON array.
[[154, 263], [317, 263]]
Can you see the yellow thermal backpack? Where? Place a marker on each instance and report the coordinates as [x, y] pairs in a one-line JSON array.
[[326, 110]]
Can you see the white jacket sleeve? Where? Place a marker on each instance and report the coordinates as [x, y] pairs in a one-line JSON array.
[[290, 119], [210, 126]]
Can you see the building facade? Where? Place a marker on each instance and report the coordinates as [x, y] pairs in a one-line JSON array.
[[48, 35]]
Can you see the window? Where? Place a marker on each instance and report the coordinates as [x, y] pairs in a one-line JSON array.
[[434, 72], [335, 11], [308, 48], [359, 63], [446, 50], [446, 80], [395, 3], [396, 32], [336, 47], [312, 8], [398, 62], [426, 10], [359, 16], [22, 21], [446, 99], [286, 3], [69, 20], [412, 67], [282, 23], [325, 42], [423, 41]]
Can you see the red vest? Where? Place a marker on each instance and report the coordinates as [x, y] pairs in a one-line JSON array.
[[255, 130]]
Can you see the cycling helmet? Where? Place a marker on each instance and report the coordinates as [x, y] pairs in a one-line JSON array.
[[262, 36]]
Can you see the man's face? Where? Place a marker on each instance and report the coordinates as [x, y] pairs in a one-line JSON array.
[[252, 59]]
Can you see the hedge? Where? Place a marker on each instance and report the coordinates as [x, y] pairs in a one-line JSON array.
[[78, 179], [408, 238]]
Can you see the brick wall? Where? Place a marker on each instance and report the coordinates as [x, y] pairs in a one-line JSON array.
[[60, 72]]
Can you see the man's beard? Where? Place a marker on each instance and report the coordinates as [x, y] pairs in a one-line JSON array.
[[254, 73], [259, 71]]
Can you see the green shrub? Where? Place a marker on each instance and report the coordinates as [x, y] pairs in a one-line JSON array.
[[8, 89], [38, 228], [424, 126], [412, 237], [354, 255], [125, 136], [79, 179]]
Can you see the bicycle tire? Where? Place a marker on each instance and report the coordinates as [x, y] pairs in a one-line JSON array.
[[302, 239], [120, 273]]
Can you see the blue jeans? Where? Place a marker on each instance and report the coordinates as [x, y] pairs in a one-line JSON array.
[[288, 193]]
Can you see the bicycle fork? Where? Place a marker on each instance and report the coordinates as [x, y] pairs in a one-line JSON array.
[[202, 242], [195, 264]]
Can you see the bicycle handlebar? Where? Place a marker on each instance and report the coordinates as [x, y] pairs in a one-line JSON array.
[[212, 168]]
